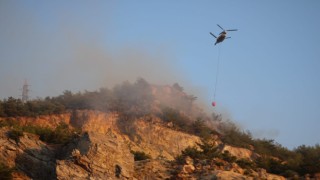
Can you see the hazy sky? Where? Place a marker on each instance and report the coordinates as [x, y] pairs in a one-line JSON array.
[[269, 69]]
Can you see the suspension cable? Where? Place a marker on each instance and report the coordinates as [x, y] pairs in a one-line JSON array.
[[217, 74]]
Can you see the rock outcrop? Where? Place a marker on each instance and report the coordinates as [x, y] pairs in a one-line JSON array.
[[239, 153], [147, 134], [96, 156], [102, 152], [159, 141], [30, 156]]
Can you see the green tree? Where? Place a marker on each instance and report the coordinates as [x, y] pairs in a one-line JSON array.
[[200, 129], [2, 113], [13, 107], [234, 136], [271, 164], [192, 152], [310, 162]]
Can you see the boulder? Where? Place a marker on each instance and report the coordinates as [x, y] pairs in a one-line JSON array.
[[187, 169], [189, 160]]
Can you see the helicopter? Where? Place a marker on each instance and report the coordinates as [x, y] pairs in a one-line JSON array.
[[222, 35]]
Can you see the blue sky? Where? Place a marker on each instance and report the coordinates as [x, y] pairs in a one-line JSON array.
[[269, 69]]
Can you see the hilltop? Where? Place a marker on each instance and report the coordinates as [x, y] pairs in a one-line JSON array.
[[136, 131]]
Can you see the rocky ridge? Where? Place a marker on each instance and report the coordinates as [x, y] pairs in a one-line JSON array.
[[102, 151]]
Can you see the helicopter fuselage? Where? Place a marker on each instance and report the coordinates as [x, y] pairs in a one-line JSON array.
[[220, 38]]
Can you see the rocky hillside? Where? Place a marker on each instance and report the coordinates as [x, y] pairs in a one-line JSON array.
[[105, 150], [136, 131]]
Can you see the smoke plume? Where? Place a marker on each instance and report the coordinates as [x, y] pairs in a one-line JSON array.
[[72, 52]]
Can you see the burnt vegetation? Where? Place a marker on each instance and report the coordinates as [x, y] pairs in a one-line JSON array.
[[134, 100]]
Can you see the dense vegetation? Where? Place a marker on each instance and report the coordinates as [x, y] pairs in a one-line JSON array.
[[127, 98], [207, 151], [133, 100], [183, 123], [274, 157], [302, 160], [60, 135]]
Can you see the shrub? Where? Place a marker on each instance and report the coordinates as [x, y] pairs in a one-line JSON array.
[[234, 136], [200, 129], [271, 164], [209, 150], [192, 152], [15, 134], [180, 122], [139, 155], [5, 172], [246, 164], [205, 151], [9, 123], [248, 172], [290, 174], [60, 135], [228, 157]]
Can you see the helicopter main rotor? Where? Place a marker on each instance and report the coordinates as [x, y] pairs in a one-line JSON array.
[[223, 30]]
